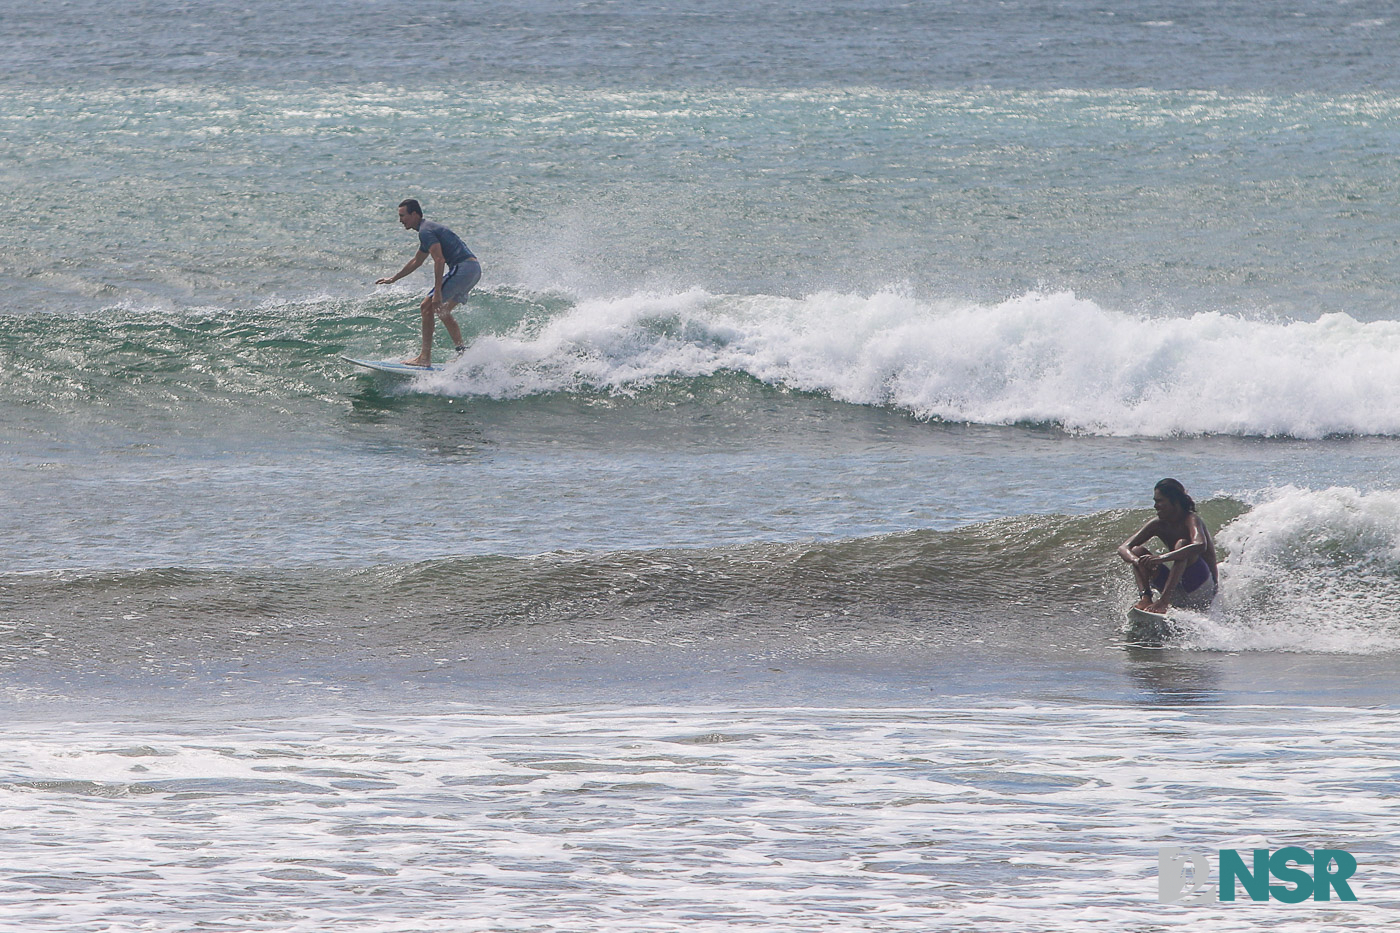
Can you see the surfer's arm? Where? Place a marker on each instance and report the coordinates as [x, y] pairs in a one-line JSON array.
[[1195, 548], [439, 267], [413, 264], [1145, 534]]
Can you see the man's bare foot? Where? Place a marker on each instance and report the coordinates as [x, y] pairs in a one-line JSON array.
[[1143, 603], [1160, 607], [418, 361]]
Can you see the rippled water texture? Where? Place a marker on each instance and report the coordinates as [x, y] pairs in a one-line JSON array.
[[754, 568], [1166, 201], [703, 819]]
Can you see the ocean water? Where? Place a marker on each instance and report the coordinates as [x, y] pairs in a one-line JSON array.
[[754, 567]]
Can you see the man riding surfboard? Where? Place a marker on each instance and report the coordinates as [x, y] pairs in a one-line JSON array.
[[455, 272]]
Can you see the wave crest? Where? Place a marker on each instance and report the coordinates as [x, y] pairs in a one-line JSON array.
[[1039, 359], [1308, 570]]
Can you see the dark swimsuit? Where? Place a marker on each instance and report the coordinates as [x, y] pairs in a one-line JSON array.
[[1193, 579]]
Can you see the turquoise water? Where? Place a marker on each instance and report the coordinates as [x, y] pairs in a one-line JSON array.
[[753, 569], [1159, 201]]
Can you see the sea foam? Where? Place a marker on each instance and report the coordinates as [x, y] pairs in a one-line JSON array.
[[1308, 570], [1039, 358]]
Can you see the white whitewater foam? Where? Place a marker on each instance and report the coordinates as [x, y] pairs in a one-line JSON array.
[[1308, 571], [1036, 817], [1039, 358]]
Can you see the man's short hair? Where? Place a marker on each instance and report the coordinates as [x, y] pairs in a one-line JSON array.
[[413, 206]]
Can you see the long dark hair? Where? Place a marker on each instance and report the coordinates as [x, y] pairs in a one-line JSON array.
[[1176, 493]]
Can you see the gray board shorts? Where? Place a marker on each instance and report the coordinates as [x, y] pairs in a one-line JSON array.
[[460, 279]]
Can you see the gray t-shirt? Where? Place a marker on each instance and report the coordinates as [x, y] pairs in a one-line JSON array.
[[453, 249]]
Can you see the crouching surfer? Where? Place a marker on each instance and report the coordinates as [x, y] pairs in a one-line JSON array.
[[1187, 573]]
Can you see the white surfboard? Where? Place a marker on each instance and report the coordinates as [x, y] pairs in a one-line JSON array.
[[393, 367], [1149, 624]]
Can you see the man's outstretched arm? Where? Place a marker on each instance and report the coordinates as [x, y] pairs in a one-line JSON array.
[[413, 264]]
